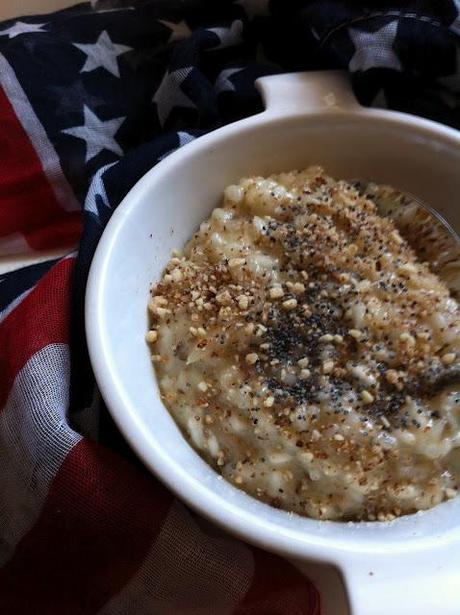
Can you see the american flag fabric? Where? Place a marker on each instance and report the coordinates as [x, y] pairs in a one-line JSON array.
[[90, 99]]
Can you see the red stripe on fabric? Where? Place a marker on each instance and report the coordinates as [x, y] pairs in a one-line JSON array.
[[28, 204], [278, 589], [96, 527], [42, 318]]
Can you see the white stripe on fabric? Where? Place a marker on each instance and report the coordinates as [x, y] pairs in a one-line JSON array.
[[34, 441], [189, 570], [37, 135]]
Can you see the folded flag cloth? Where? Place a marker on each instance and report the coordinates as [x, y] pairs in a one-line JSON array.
[[90, 99]]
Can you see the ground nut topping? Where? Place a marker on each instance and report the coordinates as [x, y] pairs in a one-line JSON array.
[[308, 353]]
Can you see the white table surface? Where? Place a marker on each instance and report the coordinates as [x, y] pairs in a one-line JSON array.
[[14, 8]]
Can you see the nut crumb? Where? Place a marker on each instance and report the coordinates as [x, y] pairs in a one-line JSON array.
[[236, 262], [276, 292], [448, 358], [358, 335], [243, 302], [290, 304], [151, 336], [328, 366], [367, 397]]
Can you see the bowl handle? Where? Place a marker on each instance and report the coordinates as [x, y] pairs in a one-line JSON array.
[[306, 93], [423, 583]]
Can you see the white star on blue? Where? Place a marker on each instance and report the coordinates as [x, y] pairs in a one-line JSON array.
[[374, 49], [223, 82], [20, 27], [170, 94], [102, 54], [97, 134], [228, 37]]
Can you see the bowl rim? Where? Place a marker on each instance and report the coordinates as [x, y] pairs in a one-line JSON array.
[[242, 524]]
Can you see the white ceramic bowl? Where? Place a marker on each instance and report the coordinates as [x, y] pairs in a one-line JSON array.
[[309, 118]]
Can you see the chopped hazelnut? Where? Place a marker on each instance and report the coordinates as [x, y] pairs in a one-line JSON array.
[[176, 275], [290, 304], [328, 366], [260, 330], [275, 292], [391, 376], [236, 262], [161, 312], [367, 397], [448, 358], [243, 302], [151, 337], [408, 338], [223, 297], [307, 456], [298, 288]]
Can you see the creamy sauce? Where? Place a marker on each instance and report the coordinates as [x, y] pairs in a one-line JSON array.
[[308, 355]]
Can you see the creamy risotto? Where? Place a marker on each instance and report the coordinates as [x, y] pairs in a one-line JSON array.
[[309, 355]]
